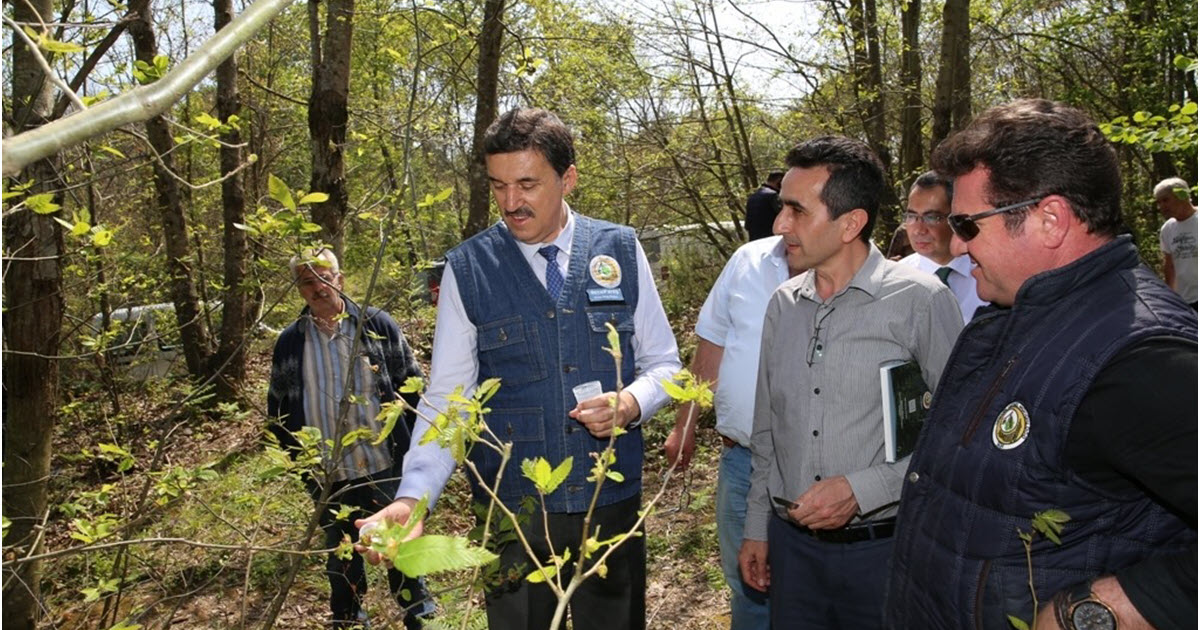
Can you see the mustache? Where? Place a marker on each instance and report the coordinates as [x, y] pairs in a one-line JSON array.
[[524, 212]]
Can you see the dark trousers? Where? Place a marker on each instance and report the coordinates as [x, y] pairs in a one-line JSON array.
[[348, 578], [817, 584], [615, 602]]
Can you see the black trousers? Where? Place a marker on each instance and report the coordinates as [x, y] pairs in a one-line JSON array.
[[615, 602], [348, 578], [817, 584]]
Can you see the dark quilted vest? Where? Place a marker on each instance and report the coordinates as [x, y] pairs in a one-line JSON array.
[[958, 561]]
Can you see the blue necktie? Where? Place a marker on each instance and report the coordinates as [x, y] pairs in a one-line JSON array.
[[943, 274], [554, 279]]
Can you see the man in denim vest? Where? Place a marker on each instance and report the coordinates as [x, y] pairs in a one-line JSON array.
[[529, 301], [1076, 394]]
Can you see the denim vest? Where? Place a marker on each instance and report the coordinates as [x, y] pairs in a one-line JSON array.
[[958, 561], [540, 349]]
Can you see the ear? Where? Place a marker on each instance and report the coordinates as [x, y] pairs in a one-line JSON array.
[[1053, 219], [569, 178], [853, 223]]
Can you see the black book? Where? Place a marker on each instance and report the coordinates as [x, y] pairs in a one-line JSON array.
[[906, 400]]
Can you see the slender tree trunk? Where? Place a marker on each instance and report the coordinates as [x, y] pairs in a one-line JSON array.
[[487, 80], [952, 94], [192, 330], [230, 358], [912, 151], [868, 81], [33, 246], [328, 113]]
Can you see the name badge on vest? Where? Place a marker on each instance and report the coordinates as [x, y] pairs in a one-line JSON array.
[[606, 272], [1011, 428]]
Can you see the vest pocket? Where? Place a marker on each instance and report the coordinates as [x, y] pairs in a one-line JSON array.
[[622, 319], [525, 429], [511, 350]]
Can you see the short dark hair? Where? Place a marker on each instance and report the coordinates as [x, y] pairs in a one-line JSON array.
[[774, 176], [524, 128], [933, 179], [855, 175], [1033, 148]]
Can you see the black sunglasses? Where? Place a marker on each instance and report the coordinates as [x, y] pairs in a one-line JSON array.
[[964, 227]]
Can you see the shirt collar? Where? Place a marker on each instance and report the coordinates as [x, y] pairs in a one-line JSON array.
[[868, 278], [563, 240]]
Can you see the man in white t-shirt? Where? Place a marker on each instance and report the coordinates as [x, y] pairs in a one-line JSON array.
[[729, 329], [1177, 238], [929, 234]]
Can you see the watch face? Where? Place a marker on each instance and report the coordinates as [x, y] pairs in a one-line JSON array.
[[1090, 615]]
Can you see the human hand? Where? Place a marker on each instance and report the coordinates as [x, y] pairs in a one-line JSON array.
[[681, 443], [397, 511], [752, 560], [827, 504], [597, 416]]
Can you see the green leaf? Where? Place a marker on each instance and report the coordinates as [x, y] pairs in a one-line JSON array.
[[560, 474], [614, 339], [101, 237], [1017, 623], [280, 192], [208, 120], [42, 204], [544, 574], [615, 476], [49, 44], [1189, 108], [314, 197], [390, 413], [674, 391], [413, 385], [1141, 116], [111, 150], [432, 554]]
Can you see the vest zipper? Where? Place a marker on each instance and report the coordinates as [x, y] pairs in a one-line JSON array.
[[987, 400], [983, 576]]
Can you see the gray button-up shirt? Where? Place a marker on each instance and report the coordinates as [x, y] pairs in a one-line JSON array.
[[824, 420]]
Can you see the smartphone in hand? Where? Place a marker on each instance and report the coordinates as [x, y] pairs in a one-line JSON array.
[[784, 503]]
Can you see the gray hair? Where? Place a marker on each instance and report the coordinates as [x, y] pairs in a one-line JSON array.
[[316, 257], [1172, 184]]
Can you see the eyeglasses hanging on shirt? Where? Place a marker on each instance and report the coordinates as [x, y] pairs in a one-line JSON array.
[[816, 347]]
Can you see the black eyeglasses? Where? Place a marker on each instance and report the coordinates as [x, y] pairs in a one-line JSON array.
[[931, 219], [816, 348], [964, 227]]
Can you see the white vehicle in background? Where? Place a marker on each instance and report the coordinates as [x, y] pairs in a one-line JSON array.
[[675, 241], [142, 341]]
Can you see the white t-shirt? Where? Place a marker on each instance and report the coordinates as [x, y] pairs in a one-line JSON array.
[[1178, 238]]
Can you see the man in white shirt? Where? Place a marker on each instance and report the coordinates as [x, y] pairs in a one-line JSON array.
[[1177, 238], [528, 301], [730, 336], [929, 234]]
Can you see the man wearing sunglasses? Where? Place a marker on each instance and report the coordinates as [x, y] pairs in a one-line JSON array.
[[1076, 393], [929, 233], [819, 524]]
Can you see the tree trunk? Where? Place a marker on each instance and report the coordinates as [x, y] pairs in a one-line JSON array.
[[487, 82], [193, 332], [912, 152], [868, 82], [33, 246], [952, 95], [328, 113], [229, 363]]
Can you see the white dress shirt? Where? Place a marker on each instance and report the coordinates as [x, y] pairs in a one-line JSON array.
[[455, 361], [732, 317], [962, 283]]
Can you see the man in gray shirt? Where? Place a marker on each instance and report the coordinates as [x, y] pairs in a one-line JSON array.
[[822, 499]]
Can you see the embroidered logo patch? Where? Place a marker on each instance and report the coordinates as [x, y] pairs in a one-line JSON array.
[[605, 271], [1012, 427]]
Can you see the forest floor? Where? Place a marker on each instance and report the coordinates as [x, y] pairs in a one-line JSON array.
[[187, 586]]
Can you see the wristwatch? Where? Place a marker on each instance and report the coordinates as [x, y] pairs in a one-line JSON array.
[[1078, 609]]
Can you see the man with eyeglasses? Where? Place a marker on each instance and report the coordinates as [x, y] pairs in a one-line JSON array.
[[1075, 393], [819, 514], [929, 234]]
